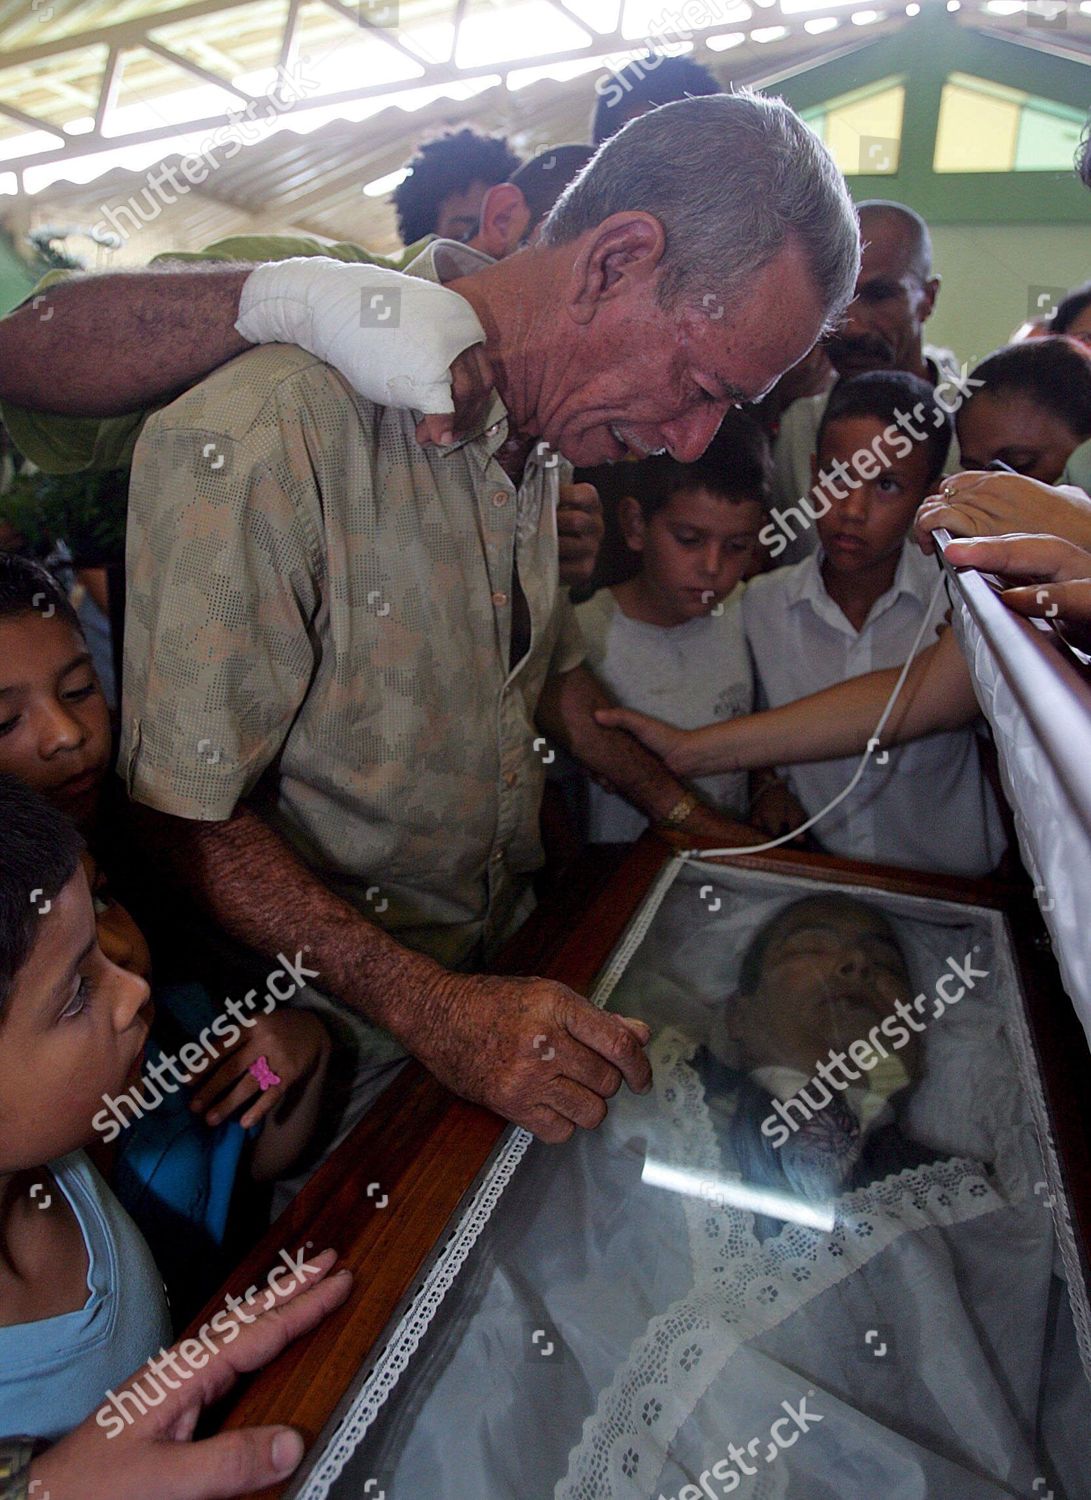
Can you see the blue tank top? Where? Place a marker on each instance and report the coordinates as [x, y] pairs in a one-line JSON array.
[[55, 1372]]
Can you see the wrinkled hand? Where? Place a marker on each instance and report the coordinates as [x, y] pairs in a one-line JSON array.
[[154, 1455], [1051, 578], [472, 384], [530, 1049], [580, 530], [983, 503], [293, 1042]]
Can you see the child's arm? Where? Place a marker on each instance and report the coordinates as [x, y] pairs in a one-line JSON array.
[[156, 1454], [938, 695], [292, 1046]]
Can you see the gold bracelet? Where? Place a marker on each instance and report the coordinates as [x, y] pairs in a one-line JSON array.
[[680, 811]]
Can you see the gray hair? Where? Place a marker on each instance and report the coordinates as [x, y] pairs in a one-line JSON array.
[[732, 178]]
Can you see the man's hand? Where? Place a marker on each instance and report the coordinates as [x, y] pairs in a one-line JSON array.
[[154, 1455], [580, 530], [775, 810], [530, 1049], [983, 503], [472, 382]]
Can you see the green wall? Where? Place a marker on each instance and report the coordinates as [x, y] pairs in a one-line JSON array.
[[992, 274], [1001, 239]]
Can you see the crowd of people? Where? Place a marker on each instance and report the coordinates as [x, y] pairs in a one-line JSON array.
[[392, 528]]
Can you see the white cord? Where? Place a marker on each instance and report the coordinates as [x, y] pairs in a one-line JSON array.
[[872, 746]]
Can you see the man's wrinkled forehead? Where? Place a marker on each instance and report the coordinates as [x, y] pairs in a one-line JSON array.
[[743, 363], [839, 920]]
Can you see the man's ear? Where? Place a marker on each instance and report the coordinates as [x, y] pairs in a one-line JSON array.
[[622, 253], [931, 292], [630, 518], [504, 220]]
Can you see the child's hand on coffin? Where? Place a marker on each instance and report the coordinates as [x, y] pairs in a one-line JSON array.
[[156, 1454]]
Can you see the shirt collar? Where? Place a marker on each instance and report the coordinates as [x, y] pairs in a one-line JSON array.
[[910, 577]]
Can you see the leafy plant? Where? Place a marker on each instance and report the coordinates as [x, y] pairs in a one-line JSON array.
[[85, 510]]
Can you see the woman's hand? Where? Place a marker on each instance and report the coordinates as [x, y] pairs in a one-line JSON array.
[[659, 737], [154, 1455], [292, 1043], [981, 503], [707, 751], [1050, 577]]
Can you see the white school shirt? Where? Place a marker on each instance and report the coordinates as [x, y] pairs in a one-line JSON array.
[[929, 807], [687, 674], [797, 440]]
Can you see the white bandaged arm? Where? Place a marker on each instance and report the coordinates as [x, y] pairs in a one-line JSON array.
[[393, 337]]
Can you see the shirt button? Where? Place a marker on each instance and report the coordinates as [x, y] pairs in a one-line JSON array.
[[497, 856], [499, 599], [511, 777], [493, 430], [500, 497]]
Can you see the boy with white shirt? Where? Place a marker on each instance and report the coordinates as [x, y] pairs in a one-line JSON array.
[[856, 606], [669, 640]]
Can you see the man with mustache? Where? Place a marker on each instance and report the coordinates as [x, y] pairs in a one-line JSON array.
[[882, 329]]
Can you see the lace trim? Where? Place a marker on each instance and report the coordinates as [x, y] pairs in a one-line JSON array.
[[406, 1335], [742, 1289]]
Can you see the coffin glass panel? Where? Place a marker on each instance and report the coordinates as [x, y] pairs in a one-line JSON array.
[[827, 1256]]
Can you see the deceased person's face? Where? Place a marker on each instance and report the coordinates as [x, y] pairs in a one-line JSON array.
[[825, 973]]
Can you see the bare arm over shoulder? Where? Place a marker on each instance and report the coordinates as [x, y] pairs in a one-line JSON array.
[[97, 346]]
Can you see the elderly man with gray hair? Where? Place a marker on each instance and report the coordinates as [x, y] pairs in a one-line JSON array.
[[346, 654]]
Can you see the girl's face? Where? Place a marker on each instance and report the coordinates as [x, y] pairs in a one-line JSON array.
[[73, 1030], [54, 723], [1027, 437]]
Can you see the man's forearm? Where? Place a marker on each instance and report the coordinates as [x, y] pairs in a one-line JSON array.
[[566, 714], [261, 894], [97, 346]]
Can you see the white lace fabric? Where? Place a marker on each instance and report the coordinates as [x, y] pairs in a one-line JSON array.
[[741, 1287]]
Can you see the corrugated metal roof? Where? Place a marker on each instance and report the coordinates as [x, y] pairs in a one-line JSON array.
[[103, 67]]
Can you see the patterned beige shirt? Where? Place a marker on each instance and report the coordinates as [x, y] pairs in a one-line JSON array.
[[319, 620]]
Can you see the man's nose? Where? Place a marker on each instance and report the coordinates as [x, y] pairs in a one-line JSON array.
[[853, 963], [687, 437]]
